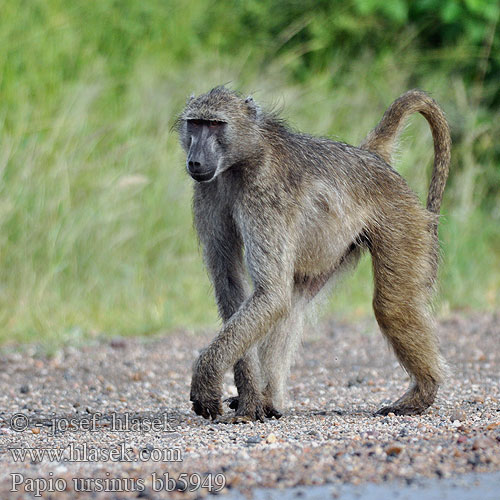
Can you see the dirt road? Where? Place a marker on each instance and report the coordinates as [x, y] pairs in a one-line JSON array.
[[111, 419]]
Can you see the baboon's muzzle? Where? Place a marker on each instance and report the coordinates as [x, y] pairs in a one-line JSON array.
[[201, 174]]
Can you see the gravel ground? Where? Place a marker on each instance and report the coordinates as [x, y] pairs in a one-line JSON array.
[[77, 400], [474, 486]]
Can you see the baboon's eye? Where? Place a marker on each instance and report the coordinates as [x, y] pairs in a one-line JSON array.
[[206, 123]]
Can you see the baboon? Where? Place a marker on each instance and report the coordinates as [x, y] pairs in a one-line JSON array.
[[291, 211]]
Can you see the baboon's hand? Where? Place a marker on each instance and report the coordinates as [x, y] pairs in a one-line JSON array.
[[206, 391], [259, 411]]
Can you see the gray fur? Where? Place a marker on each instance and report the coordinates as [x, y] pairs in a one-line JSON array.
[[292, 210]]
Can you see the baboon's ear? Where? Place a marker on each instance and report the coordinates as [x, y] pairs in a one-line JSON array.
[[253, 109]]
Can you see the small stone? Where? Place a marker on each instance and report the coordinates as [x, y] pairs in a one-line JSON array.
[[359, 379], [475, 460], [253, 440], [391, 414], [24, 389], [180, 485], [234, 482], [459, 415], [482, 443], [394, 450], [118, 343], [271, 438], [35, 430]]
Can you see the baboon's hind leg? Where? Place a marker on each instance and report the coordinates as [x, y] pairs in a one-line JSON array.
[[248, 382], [275, 356], [276, 353], [404, 270]]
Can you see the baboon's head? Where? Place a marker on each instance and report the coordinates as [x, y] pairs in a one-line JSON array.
[[218, 130]]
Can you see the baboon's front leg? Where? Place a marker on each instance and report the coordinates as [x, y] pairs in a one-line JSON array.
[[225, 263], [247, 380], [242, 330]]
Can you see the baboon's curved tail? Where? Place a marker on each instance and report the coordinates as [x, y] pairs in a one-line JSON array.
[[381, 139]]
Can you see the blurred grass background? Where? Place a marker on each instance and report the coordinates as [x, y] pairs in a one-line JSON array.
[[95, 222]]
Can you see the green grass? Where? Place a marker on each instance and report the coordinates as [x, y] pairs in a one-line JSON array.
[[95, 223]]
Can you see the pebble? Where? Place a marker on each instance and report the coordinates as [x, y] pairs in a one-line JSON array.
[[459, 415], [482, 443], [394, 449], [271, 438], [252, 440]]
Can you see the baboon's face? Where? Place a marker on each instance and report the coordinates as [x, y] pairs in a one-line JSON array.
[[218, 130], [205, 153]]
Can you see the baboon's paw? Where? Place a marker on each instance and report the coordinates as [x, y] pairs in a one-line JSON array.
[[251, 409], [205, 395], [207, 408], [414, 402], [268, 410], [272, 412], [399, 409]]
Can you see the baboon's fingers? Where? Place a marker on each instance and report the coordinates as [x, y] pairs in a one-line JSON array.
[[401, 410], [199, 409], [414, 402], [273, 412], [208, 410], [385, 410], [268, 411], [259, 415], [406, 406], [253, 410], [215, 409]]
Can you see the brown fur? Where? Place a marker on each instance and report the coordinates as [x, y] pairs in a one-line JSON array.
[[303, 208]]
